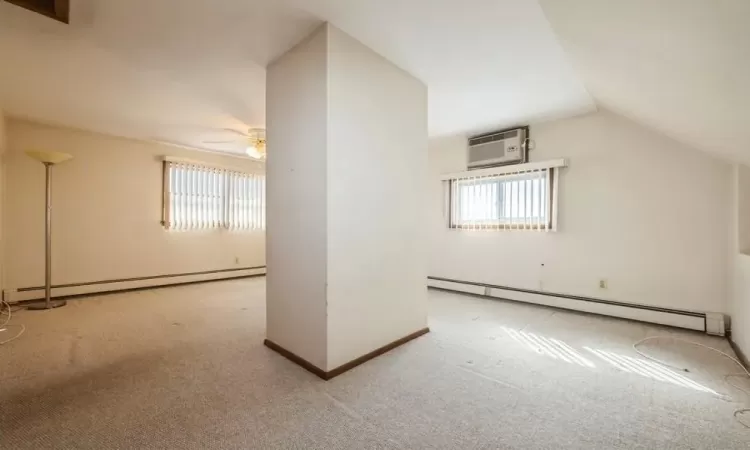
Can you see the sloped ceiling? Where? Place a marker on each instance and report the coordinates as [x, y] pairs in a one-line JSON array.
[[181, 70], [172, 70], [681, 67], [487, 63]]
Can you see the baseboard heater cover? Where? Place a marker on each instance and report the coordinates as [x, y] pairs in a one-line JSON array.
[[124, 284], [690, 320]]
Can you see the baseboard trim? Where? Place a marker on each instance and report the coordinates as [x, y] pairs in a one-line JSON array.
[[738, 351], [375, 353], [327, 375], [302, 362], [691, 320], [74, 290]]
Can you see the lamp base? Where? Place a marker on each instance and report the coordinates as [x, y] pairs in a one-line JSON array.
[[41, 304]]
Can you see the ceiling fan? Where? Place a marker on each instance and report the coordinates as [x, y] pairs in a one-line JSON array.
[[256, 142]]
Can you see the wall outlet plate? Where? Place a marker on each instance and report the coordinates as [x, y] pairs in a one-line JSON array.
[[603, 283]]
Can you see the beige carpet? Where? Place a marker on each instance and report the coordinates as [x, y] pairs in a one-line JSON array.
[[185, 368]]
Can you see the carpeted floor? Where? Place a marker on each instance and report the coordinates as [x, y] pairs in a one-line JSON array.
[[185, 368]]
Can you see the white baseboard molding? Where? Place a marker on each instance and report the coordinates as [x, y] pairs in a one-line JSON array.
[[96, 287], [690, 320]]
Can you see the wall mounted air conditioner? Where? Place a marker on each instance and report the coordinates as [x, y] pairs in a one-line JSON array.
[[499, 148]]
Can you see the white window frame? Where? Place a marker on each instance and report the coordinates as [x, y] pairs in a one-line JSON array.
[[548, 171], [202, 196]]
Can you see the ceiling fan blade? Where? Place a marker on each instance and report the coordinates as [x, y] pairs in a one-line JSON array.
[[236, 132], [180, 144]]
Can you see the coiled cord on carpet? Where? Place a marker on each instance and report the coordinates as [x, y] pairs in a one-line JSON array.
[[6, 324], [738, 413]]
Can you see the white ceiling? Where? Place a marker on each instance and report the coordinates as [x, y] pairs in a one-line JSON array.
[[487, 63], [184, 70], [175, 70], [181, 70], [681, 67]]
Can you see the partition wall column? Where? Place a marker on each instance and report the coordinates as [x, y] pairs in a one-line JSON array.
[[346, 182]]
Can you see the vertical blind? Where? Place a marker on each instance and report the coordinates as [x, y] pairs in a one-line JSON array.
[[518, 200], [203, 197]]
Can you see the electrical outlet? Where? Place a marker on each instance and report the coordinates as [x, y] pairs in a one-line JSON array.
[[603, 284], [236, 259]]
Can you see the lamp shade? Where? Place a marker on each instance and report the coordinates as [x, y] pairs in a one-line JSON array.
[[49, 157], [252, 151]]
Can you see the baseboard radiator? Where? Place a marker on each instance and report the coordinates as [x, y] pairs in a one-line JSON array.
[[707, 322], [127, 284]]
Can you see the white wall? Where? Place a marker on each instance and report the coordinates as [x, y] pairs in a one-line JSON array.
[[3, 146], [347, 133], [742, 206], [2, 130], [740, 258], [740, 310], [377, 167], [646, 213], [296, 199], [107, 205]]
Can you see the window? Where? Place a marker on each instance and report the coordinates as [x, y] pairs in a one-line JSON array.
[[198, 197], [503, 198]]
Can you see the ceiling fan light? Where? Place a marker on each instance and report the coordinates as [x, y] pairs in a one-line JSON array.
[[252, 151]]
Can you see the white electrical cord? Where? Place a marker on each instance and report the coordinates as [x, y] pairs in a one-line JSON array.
[[738, 412], [5, 324], [3, 303], [727, 377]]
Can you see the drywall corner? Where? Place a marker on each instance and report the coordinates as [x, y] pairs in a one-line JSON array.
[[376, 189], [2, 130], [739, 308], [296, 126], [3, 147]]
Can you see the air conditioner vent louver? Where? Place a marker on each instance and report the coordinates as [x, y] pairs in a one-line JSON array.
[[493, 137]]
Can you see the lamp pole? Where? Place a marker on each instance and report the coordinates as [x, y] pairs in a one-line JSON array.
[[48, 159]]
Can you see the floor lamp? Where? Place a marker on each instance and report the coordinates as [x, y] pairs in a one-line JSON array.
[[49, 159]]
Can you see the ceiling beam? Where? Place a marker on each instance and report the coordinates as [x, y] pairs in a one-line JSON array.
[[55, 9]]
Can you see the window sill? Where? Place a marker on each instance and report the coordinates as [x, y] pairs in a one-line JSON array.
[[502, 228]]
